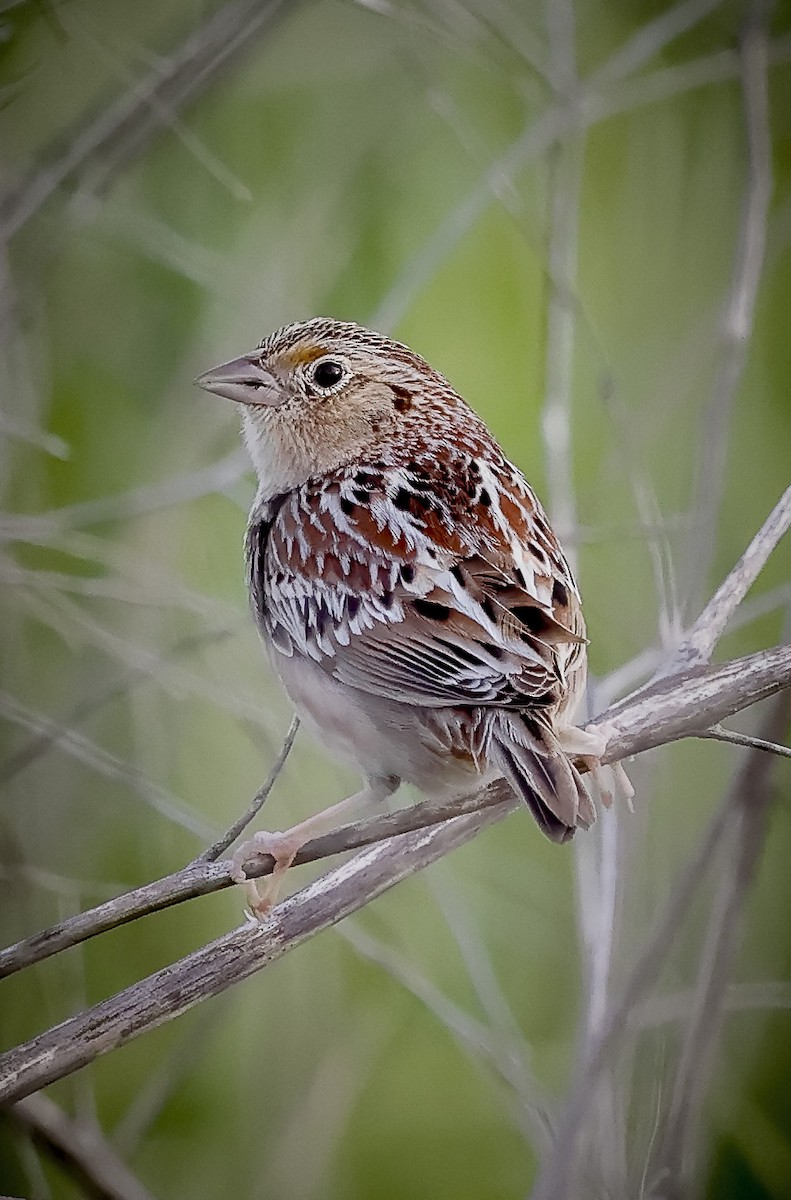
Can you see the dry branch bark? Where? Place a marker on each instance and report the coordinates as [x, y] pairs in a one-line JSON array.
[[672, 708], [556, 1175]]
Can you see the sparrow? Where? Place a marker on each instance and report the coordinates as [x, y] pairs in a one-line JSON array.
[[406, 582]]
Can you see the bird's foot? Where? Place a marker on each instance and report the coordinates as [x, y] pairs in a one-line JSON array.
[[589, 745], [262, 894]]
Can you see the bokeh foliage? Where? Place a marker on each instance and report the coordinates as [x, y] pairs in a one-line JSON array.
[[373, 161]]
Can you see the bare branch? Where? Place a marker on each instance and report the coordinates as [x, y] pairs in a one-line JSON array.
[[737, 319], [695, 693], [699, 643], [257, 802], [566, 164], [83, 1150], [121, 130], [231, 958], [718, 734], [673, 709], [749, 802], [677, 707], [653, 36], [765, 995], [557, 1172]]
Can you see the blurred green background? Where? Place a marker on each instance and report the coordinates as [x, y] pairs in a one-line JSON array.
[[545, 201]]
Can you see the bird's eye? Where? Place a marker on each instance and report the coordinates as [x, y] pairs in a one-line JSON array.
[[327, 373]]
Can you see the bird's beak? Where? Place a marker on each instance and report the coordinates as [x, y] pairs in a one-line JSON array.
[[244, 380]]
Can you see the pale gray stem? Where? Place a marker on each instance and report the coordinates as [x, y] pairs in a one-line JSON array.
[[214, 968], [121, 130], [566, 161], [749, 800], [737, 321], [557, 1172], [83, 1150], [673, 709], [670, 709], [718, 734], [653, 36], [256, 804], [698, 644]]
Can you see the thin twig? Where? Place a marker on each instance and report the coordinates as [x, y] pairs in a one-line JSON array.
[[737, 321], [555, 1175], [698, 644], [81, 1149], [105, 146], [531, 1113], [596, 103], [767, 995], [749, 801], [653, 37], [231, 958], [256, 804], [121, 685], [674, 708], [565, 183], [212, 969], [718, 734]]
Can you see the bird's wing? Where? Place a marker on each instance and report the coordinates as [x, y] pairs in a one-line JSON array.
[[429, 584]]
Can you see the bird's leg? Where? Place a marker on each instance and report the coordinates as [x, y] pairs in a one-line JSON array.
[[589, 744], [284, 846]]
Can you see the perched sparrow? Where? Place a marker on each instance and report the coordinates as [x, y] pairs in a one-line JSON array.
[[405, 579]]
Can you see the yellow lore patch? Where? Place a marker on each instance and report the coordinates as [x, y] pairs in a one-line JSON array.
[[301, 355]]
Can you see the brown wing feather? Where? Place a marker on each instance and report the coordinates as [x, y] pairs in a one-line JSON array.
[[454, 597]]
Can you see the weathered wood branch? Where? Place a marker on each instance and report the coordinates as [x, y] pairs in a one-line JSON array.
[[670, 709]]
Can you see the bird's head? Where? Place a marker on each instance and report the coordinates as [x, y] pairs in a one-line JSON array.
[[321, 394]]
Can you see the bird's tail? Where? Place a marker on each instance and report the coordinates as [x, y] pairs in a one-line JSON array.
[[527, 751]]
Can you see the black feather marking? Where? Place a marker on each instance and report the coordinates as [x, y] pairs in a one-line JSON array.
[[459, 652], [323, 619], [488, 608], [533, 618], [432, 610], [366, 480], [402, 398], [550, 825]]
